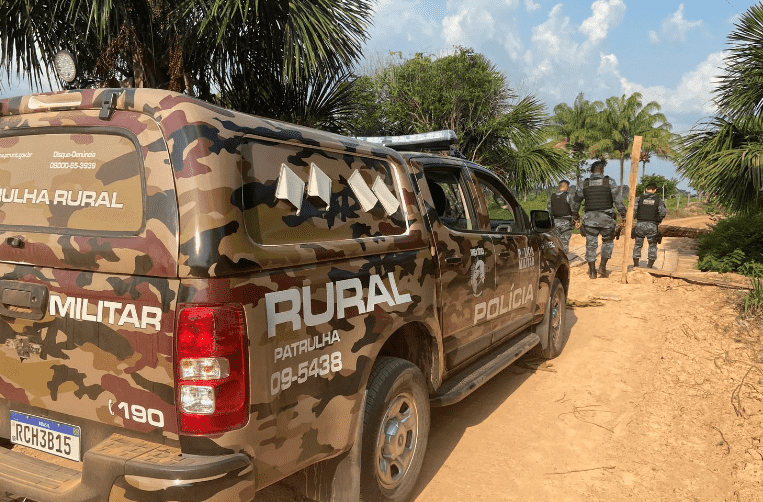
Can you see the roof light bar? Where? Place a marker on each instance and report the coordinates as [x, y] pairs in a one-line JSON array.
[[432, 140]]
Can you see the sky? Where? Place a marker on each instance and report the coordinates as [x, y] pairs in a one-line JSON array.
[[667, 50]]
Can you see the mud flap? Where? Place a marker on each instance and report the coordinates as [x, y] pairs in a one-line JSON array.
[[336, 479], [541, 329]]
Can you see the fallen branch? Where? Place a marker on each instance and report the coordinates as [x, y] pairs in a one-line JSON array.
[[736, 395], [582, 409], [606, 467], [728, 447]]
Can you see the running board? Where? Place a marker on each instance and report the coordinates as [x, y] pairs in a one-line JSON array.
[[475, 375]]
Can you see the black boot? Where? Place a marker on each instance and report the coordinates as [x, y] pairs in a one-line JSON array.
[[635, 262], [649, 264], [592, 270], [603, 268]]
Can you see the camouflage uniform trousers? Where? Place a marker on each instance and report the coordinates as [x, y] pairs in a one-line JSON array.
[[599, 223], [563, 228], [649, 230]]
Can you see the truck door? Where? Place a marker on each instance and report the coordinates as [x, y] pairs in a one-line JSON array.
[[466, 263], [516, 258]]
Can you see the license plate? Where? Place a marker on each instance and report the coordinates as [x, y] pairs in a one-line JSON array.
[[46, 435]]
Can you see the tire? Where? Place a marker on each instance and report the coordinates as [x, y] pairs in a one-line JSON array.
[[395, 431], [554, 320]]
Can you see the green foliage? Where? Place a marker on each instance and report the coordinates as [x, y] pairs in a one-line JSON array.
[[739, 93], [573, 127], [466, 93], [723, 158], [256, 56], [752, 302], [669, 184], [734, 245], [622, 120]]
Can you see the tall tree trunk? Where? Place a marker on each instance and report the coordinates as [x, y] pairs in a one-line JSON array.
[[622, 175]]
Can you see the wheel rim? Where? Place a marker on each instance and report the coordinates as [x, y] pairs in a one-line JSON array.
[[397, 441], [557, 310]]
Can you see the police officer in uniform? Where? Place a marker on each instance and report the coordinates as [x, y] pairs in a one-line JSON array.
[[560, 206], [650, 211], [599, 193]]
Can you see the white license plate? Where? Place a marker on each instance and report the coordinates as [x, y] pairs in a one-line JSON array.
[[46, 435]]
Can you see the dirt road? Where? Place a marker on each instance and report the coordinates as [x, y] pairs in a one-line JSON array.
[[638, 407]]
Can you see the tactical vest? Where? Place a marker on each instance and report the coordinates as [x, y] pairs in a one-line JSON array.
[[598, 194], [560, 206], [648, 208]]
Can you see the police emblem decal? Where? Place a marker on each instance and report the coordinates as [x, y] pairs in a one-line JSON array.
[[477, 276]]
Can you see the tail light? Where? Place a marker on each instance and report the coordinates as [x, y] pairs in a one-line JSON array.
[[211, 368]]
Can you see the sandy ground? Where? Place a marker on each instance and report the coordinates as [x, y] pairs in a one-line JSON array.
[[655, 398]]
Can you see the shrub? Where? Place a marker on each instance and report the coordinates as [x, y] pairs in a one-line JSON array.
[[734, 245], [752, 303]]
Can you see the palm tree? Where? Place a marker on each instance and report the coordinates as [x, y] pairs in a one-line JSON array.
[[622, 120], [722, 156], [658, 148], [572, 127], [739, 93], [530, 162], [199, 47], [521, 154], [724, 160]]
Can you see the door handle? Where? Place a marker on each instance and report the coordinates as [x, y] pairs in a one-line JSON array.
[[504, 254], [453, 260]]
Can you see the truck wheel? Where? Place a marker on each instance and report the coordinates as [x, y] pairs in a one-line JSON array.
[[555, 314], [395, 431]]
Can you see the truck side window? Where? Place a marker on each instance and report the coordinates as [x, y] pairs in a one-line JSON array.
[[501, 206], [450, 200]]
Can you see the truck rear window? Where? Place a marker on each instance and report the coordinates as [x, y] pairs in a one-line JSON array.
[[71, 183], [296, 194]]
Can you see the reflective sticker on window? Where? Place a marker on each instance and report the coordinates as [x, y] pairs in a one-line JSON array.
[[386, 197], [364, 194], [318, 187], [290, 187]]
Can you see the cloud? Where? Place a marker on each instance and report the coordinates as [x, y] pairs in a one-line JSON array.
[[606, 15], [675, 27], [694, 93], [513, 46], [554, 37], [475, 23], [609, 64], [653, 38], [531, 6], [468, 24], [401, 19]]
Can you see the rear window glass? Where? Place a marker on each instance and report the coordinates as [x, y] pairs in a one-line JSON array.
[[294, 195], [71, 182]]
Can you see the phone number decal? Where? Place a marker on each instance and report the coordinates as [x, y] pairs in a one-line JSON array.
[[319, 366], [72, 165]]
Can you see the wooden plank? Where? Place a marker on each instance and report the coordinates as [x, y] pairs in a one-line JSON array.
[[635, 153], [700, 279]]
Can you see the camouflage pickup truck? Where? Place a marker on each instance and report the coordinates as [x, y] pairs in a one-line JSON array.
[[196, 303]]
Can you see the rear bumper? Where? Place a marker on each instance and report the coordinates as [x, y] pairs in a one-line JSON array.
[[127, 469]]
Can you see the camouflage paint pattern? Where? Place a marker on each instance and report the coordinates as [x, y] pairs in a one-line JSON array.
[[649, 230], [563, 225], [563, 229], [213, 231], [599, 222]]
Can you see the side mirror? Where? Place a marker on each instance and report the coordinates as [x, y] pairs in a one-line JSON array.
[[541, 221]]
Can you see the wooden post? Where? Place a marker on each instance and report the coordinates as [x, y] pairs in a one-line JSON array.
[[631, 201]]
